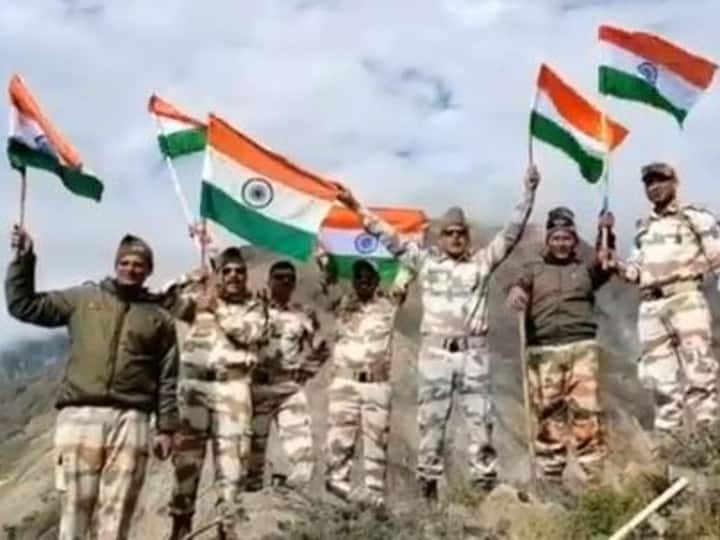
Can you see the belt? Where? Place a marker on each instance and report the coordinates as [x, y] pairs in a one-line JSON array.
[[455, 344], [221, 374], [659, 292], [363, 375], [266, 377]]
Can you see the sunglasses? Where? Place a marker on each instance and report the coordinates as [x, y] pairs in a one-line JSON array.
[[454, 232], [289, 278], [228, 270]]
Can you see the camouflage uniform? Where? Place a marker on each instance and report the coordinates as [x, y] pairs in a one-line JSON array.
[[217, 356], [453, 358], [289, 359], [360, 391], [563, 354], [672, 252]]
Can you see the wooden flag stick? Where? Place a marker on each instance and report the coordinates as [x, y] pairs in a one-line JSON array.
[[23, 196], [526, 398], [531, 158], [654, 506]]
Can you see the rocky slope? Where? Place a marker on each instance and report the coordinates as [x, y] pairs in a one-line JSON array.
[[28, 506]]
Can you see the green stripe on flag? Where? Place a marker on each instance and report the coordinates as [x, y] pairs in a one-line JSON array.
[[75, 180], [626, 86], [253, 226], [591, 166], [184, 142], [341, 266]]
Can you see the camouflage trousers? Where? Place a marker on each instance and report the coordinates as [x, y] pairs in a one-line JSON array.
[[102, 453], [218, 413], [563, 381], [358, 408], [285, 404], [465, 376], [677, 361]]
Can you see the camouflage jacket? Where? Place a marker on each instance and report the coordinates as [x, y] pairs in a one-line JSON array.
[[123, 350], [454, 291], [682, 243], [364, 330], [294, 344], [231, 336]]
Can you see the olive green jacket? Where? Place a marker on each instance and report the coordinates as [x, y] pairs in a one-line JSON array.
[[123, 347]]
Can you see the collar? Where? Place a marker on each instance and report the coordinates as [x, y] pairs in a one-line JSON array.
[[125, 294], [442, 256], [548, 258], [670, 210]]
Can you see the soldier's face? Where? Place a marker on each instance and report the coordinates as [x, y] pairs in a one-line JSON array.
[[282, 285], [232, 280], [660, 190], [365, 281], [561, 244], [131, 270], [454, 241]]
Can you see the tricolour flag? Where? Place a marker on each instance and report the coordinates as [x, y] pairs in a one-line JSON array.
[[34, 142], [261, 196], [180, 134], [563, 118], [649, 69], [344, 239]]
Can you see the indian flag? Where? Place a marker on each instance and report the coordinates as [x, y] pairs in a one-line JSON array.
[[649, 69], [34, 142], [261, 196], [179, 134], [344, 239], [564, 119]]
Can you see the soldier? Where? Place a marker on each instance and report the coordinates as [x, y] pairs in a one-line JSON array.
[[229, 327], [294, 354], [557, 295], [674, 246], [360, 392], [121, 369], [453, 358]]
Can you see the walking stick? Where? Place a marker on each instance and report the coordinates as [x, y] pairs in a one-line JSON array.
[[526, 398]]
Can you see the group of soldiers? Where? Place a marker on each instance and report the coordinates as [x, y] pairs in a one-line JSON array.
[[245, 357]]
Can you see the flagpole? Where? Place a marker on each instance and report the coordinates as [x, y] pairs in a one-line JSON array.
[[23, 196], [533, 105], [605, 178], [174, 177]]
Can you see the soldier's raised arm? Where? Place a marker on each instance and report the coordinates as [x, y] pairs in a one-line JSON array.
[[329, 292], [409, 252], [51, 308], [504, 241], [400, 285]]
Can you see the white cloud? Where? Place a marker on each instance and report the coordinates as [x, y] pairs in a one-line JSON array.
[[415, 102]]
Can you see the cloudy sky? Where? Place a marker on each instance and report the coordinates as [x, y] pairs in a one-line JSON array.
[[412, 102]]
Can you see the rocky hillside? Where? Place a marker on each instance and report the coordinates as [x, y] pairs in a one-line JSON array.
[[28, 506]]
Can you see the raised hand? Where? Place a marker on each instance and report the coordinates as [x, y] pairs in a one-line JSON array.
[[20, 240], [532, 177], [346, 197]]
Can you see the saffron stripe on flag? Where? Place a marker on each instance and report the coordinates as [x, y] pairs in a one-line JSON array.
[[692, 67]]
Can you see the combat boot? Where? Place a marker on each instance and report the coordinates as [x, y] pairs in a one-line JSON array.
[[181, 526], [428, 489]]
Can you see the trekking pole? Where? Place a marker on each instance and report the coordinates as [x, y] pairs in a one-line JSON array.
[[689, 423], [526, 398]]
